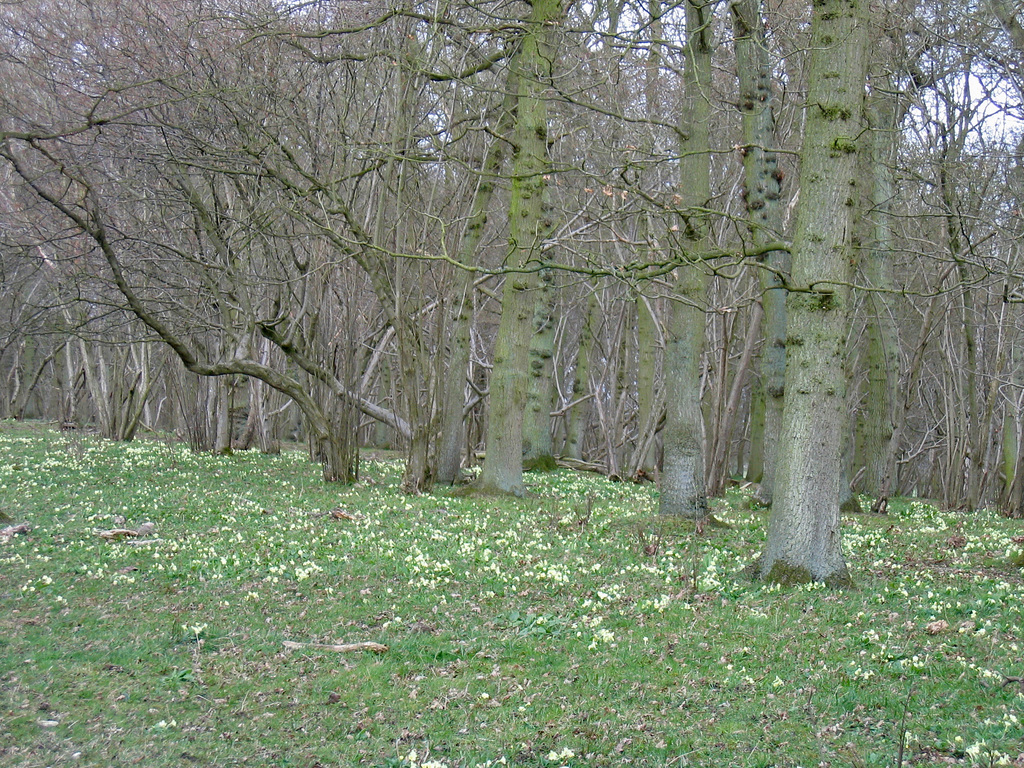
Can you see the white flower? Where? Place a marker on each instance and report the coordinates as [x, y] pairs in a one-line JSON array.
[[564, 754], [974, 751]]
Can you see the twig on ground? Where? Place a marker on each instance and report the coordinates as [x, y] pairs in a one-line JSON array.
[[342, 648]]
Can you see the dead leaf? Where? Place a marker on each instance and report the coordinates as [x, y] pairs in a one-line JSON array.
[[935, 627]]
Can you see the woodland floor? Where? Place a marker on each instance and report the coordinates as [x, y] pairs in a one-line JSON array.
[[571, 628]]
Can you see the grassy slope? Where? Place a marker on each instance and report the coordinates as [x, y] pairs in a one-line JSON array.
[[566, 624]]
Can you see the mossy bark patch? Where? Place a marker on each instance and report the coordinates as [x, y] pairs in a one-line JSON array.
[[544, 463], [788, 574], [784, 573], [851, 506]]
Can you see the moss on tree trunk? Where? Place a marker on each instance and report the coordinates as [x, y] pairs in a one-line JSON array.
[[529, 224]]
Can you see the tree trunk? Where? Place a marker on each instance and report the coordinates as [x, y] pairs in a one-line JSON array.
[[222, 411], [29, 380], [338, 453], [682, 478], [719, 470], [1012, 496], [529, 224], [755, 454], [579, 413], [537, 450], [804, 542], [878, 418], [644, 465], [453, 432], [909, 382], [763, 195], [256, 431]]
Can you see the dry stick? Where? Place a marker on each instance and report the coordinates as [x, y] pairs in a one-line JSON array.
[[343, 648], [903, 729]]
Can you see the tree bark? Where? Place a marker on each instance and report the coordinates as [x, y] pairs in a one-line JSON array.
[[537, 445], [888, 482], [878, 417], [650, 398], [453, 440], [529, 224], [682, 478], [804, 541], [755, 433], [763, 196], [579, 412], [719, 470]]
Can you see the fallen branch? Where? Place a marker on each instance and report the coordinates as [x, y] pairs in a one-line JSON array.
[[341, 514], [1007, 680], [11, 531], [580, 466], [115, 534], [343, 648]]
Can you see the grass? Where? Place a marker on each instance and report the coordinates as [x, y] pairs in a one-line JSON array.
[[572, 628]]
